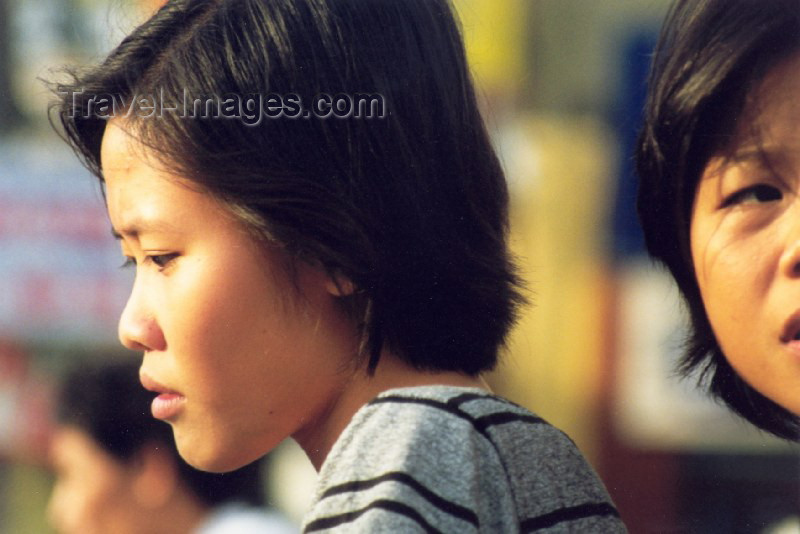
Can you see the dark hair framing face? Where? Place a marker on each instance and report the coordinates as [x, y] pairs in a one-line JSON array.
[[711, 56], [107, 402], [410, 207]]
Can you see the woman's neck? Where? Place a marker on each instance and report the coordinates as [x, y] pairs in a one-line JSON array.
[[318, 436]]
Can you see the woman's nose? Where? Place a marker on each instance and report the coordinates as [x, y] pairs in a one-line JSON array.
[[790, 257], [138, 328]]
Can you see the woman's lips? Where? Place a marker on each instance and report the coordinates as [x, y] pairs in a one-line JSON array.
[[791, 328], [167, 403]]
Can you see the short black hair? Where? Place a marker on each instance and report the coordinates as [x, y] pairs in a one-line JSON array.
[[411, 207], [106, 401], [711, 56]]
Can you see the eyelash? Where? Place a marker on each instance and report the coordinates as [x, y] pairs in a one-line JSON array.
[[743, 195], [159, 260], [162, 260]]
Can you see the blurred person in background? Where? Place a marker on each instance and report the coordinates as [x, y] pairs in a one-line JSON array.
[[719, 199], [118, 471], [314, 269]]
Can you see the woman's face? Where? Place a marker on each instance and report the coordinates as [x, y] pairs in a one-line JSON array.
[[240, 354], [745, 240], [93, 492]]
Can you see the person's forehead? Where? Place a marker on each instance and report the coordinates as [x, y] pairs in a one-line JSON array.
[[120, 152], [775, 100]]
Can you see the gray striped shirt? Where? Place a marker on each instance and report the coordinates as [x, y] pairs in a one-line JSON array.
[[456, 460]]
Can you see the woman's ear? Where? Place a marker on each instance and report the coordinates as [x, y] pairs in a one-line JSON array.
[[155, 477], [339, 286]]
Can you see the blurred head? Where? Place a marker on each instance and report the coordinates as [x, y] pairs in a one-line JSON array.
[[349, 238], [718, 167], [117, 468]]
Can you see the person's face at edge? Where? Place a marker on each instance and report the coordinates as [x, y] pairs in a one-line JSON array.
[[248, 356], [745, 240], [92, 493]]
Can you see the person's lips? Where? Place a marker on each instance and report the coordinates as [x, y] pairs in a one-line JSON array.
[[167, 403], [791, 329]]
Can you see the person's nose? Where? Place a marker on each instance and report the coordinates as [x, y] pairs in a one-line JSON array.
[[789, 263], [138, 328]]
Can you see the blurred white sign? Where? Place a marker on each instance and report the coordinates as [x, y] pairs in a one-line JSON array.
[[58, 261]]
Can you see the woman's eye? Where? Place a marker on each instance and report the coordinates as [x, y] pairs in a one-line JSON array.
[[754, 194], [162, 260], [159, 260]]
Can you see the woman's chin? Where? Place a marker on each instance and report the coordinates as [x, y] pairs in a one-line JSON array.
[[213, 458]]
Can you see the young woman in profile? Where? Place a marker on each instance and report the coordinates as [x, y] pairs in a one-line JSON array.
[[309, 268], [719, 199]]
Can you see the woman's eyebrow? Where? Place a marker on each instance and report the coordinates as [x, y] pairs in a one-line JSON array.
[[749, 154], [138, 227], [769, 153]]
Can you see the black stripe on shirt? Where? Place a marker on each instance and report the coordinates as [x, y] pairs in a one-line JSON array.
[[426, 402], [383, 504], [502, 418], [480, 423], [570, 513], [458, 400], [396, 476]]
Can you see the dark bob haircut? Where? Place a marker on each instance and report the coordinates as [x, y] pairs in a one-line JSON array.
[[711, 56], [107, 402], [409, 204]]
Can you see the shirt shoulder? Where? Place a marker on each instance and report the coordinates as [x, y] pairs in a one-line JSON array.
[[454, 459]]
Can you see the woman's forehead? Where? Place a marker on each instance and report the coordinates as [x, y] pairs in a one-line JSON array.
[[774, 105], [767, 129]]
